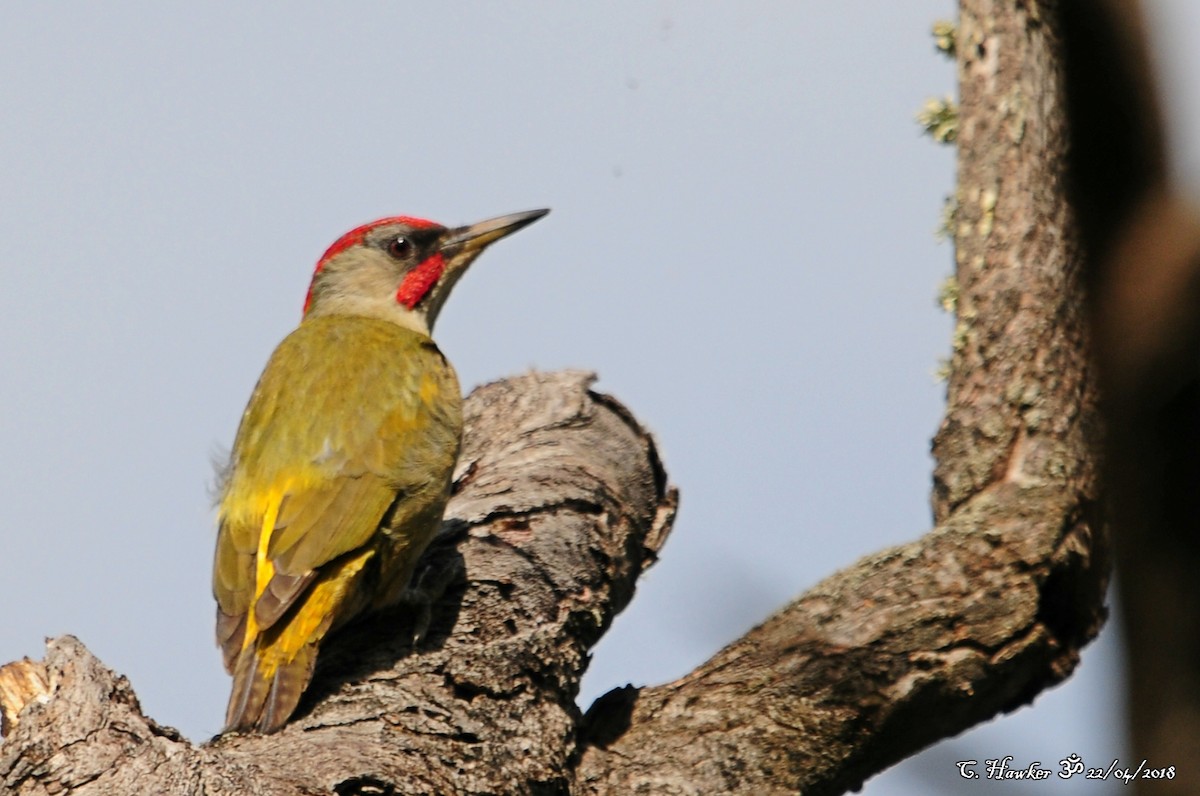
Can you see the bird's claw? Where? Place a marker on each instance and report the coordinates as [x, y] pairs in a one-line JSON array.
[[427, 587]]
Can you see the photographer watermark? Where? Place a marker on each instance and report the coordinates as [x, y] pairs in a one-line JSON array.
[[1070, 766]]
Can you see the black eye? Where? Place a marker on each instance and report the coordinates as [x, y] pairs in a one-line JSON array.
[[400, 247]]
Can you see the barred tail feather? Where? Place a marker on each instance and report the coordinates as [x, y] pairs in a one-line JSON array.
[[272, 671], [266, 692]]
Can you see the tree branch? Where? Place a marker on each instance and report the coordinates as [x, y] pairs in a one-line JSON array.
[[904, 648], [922, 641], [560, 504]]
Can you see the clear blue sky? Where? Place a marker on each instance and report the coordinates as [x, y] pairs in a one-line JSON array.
[[742, 246]]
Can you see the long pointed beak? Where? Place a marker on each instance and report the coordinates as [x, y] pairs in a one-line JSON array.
[[475, 237]]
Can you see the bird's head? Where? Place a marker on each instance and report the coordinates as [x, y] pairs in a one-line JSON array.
[[401, 268]]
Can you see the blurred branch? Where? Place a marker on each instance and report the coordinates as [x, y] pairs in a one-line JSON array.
[[1144, 268]]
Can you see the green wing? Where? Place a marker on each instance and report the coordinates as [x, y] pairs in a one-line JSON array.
[[353, 421]]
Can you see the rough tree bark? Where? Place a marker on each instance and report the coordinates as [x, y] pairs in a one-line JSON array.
[[561, 502], [922, 641]]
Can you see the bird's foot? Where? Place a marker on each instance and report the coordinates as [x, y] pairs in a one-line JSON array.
[[427, 587]]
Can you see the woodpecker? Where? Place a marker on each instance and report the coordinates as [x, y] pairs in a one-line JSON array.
[[341, 466]]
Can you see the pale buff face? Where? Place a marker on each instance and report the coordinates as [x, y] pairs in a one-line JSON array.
[[363, 281], [402, 269], [367, 276]]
